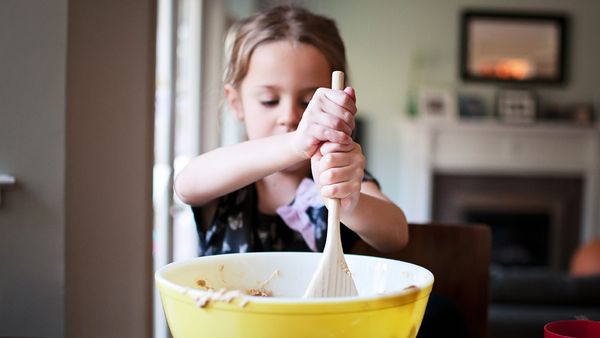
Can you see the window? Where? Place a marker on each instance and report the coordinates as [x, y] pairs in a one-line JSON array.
[[177, 131], [187, 117]]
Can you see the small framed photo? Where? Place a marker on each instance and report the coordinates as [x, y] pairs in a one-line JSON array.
[[471, 106], [517, 106], [437, 104]]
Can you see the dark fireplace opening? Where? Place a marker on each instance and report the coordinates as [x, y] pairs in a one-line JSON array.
[[535, 220], [519, 239]]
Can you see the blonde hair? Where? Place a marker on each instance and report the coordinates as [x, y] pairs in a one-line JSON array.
[[292, 23]]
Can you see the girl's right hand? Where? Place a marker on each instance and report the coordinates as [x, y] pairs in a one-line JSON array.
[[329, 117]]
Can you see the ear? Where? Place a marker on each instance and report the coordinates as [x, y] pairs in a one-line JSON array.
[[234, 100]]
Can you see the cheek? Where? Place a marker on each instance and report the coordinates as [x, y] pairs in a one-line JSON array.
[[253, 130], [258, 124]]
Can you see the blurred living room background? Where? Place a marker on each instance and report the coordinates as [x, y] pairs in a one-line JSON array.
[[469, 112], [103, 103]]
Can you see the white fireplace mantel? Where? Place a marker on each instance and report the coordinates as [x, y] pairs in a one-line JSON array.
[[489, 147]]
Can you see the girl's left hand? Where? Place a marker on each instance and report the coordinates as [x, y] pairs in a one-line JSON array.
[[338, 170]]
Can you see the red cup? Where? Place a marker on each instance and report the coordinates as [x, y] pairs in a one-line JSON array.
[[572, 329]]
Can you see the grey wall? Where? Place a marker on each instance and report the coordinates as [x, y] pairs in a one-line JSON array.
[[109, 158], [33, 52], [381, 36], [76, 126]]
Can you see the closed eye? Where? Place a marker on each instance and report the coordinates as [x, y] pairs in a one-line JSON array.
[[270, 103]]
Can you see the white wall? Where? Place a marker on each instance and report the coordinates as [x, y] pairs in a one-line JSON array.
[[382, 35], [33, 52]]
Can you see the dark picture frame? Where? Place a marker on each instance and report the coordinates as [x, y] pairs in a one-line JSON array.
[[513, 47]]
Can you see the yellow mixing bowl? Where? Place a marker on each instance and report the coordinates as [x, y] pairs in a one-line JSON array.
[[391, 302]]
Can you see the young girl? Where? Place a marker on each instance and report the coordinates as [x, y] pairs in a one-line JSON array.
[[266, 194]]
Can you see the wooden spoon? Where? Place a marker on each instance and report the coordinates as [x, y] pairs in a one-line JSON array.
[[332, 277]]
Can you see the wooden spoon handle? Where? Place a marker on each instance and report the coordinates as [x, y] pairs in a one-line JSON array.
[[337, 80], [332, 277], [334, 204]]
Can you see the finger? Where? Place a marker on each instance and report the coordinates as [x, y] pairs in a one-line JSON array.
[[333, 120], [316, 157], [353, 158], [338, 190], [335, 111], [342, 99], [340, 175], [329, 147], [336, 160], [314, 164], [325, 134], [351, 92]]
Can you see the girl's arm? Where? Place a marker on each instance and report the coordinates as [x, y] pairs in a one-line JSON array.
[[377, 220], [218, 172], [329, 117]]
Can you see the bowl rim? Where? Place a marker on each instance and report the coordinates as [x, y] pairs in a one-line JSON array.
[[410, 294], [552, 327]]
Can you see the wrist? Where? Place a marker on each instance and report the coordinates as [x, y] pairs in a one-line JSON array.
[[295, 146]]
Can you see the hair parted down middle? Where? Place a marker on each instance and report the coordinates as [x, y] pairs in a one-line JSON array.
[[291, 23]]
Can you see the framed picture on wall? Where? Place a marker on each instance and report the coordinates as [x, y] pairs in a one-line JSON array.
[[437, 104], [515, 47]]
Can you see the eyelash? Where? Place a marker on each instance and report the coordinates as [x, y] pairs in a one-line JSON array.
[[270, 103], [273, 103]]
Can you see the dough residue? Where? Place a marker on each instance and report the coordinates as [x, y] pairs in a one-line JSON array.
[[206, 294], [203, 298]]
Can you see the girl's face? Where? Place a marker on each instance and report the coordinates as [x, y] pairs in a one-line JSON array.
[[282, 78]]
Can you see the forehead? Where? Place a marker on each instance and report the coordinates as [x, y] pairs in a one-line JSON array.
[[288, 65]]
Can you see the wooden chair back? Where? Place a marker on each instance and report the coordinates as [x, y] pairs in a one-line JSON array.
[[458, 255]]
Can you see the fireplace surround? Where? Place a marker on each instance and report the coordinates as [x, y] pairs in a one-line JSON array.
[[473, 170]]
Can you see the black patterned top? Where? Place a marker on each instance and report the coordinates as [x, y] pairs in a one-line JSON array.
[[238, 226]]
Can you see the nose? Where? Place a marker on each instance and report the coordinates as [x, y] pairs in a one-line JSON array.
[[290, 115]]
